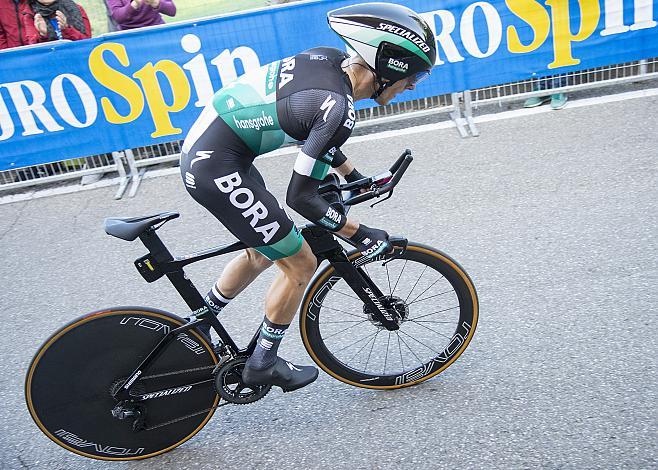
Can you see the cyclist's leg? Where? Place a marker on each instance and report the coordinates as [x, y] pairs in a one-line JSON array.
[[241, 271], [288, 287], [246, 267], [286, 291], [281, 303], [218, 173], [212, 149]]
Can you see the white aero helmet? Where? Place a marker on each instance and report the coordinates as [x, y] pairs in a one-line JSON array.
[[394, 41]]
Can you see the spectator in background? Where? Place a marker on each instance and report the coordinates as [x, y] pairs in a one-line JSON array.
[[111, 22], [558, 100], [12, 31], [130, 14], [57, 19]]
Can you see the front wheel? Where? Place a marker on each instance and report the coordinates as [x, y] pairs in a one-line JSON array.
[[71, 381], [430, 294]]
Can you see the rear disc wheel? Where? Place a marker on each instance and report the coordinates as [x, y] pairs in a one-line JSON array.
[[71, 379]]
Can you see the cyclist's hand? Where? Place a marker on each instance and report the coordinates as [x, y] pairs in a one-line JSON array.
[[371, 241], [355, 176]]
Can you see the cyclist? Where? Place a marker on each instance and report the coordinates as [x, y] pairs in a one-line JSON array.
[[306, 98]]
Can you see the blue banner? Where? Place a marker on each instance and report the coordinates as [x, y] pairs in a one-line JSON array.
[[141, 87]]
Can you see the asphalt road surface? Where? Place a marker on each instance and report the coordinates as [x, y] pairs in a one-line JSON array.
[[553, 215]]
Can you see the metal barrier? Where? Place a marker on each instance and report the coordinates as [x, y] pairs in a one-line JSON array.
[[89, 169], [593, 78], [140, 158], [136, 160]]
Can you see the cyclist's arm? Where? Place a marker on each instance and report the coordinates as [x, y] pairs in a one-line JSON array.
[[304, 199], [344, 167], [313, 161]]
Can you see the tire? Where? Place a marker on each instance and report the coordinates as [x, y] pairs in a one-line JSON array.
[[69, 384], [332, 317]]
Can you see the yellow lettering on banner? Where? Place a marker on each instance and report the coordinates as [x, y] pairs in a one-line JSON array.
[[537, 18], [117, 82], [590, 12], [180, 90]]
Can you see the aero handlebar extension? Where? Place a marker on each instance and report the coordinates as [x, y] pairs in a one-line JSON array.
[[380, 184]]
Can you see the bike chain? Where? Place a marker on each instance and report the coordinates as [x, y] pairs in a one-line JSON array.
[[181, 418], [182, 371], [191, 415], [222, 360]]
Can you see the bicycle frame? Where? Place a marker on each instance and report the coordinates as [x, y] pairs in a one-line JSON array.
[[160, 262]]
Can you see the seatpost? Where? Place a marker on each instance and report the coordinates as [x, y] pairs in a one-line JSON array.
[[163, 257], [176, 275]]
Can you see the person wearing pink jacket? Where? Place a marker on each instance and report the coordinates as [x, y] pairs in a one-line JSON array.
[[130, 14]]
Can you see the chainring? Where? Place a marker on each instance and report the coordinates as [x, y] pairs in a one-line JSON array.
[[229, 384]]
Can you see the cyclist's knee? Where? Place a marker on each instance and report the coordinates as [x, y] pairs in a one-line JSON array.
[[257, 260], [301, 266]]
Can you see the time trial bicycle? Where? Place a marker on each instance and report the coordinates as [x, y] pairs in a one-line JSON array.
[[128, 383]]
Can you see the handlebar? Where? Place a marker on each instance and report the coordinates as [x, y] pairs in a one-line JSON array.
[[380, 184]]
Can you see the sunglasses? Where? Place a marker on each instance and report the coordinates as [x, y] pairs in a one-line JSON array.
[[419, 77]]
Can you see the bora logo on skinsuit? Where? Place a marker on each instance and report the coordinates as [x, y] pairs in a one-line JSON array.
[[243, 198]]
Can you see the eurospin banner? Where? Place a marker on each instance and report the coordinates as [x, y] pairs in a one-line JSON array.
[[147, 86]]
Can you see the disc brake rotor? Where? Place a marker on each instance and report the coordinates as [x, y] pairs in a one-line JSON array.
[[394, 305]]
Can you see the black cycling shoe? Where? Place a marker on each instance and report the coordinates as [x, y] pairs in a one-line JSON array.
[[282, 374]]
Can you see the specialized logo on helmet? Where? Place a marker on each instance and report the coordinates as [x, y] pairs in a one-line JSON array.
[[420, 42], [397, 65]]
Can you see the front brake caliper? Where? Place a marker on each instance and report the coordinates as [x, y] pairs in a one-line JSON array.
[[399, 247]]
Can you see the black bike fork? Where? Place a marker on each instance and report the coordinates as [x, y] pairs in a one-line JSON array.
[[366, 290], [324, 245]]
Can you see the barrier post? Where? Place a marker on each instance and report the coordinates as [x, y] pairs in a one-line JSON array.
[[135, 173], [124, 178], [456, 115], [468, 112]]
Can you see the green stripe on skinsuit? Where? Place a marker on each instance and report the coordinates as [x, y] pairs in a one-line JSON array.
[[287, 246], [320, 170]]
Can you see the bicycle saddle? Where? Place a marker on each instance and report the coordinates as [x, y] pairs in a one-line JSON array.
[[129, 228]]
